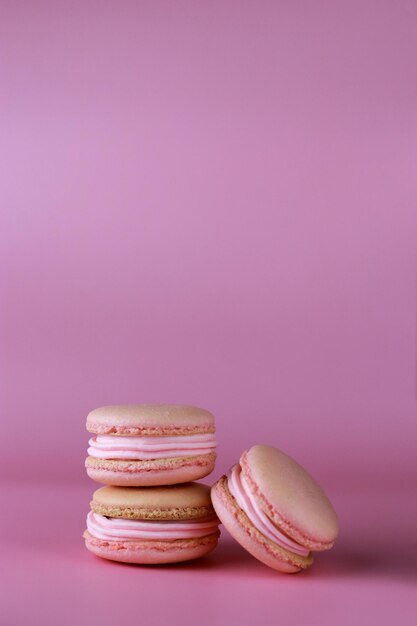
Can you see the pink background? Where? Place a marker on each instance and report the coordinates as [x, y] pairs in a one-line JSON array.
[[210, 203]]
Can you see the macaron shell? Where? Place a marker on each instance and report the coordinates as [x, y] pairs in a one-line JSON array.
[[178, 502], [150, 420], [245, 533], [168, 471], [290, 497], [151, 552]]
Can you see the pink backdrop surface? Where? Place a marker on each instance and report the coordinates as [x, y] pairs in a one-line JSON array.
[[210, 203]]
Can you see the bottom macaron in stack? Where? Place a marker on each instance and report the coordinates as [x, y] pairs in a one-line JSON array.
[[152, 525]]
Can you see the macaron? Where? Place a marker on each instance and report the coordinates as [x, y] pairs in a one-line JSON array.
[[275, 509], [159, 525], [141, 445]]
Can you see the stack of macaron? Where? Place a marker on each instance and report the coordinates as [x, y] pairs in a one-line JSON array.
[[150, 512]]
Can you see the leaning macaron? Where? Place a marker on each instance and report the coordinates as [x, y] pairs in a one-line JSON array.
[[151, 526], [150, 444], [275, 509]]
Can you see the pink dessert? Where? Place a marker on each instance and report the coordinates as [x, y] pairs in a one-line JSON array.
[[150, 526], [275, 509], [147, 445]]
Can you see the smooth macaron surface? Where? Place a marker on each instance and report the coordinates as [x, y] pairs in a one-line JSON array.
[[152, 526], [185, 501], [150, 444], [150, 419], [275, 509], [290, 497]]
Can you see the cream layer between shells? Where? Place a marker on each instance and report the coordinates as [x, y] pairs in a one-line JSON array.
[[147, 448], [117, 529], [241, 492]]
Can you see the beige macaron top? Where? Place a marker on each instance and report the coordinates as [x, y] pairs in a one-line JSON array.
[[290, 497], [150, 420], [175, 502]]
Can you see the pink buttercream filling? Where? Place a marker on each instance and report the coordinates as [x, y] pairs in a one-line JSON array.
[[240, 490], [144, 448], [117, 529]]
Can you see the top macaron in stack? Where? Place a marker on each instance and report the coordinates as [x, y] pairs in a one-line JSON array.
[[150, 444]]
